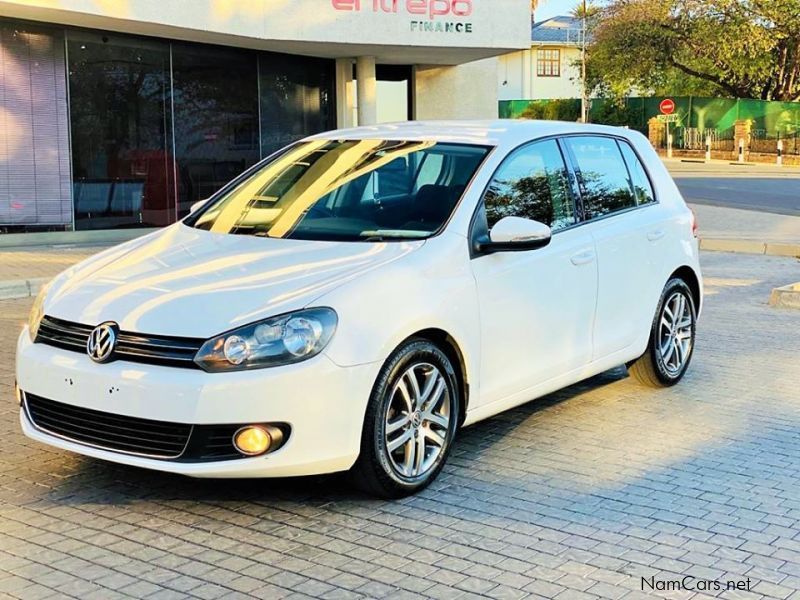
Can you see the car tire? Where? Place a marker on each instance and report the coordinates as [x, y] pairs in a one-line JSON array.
[[407, 435], [671, 344]]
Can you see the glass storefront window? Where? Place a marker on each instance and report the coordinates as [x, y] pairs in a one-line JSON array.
[[157, 125], [215, 95], [123, 171], [297, 98]]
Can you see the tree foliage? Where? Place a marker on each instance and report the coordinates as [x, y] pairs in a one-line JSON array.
[[737, 48]]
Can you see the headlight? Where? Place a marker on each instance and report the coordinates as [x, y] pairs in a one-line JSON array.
[[280, 340], [37, 312]]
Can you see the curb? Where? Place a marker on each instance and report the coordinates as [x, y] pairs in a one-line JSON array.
[[750, 247], [787, 296], [14, 289]]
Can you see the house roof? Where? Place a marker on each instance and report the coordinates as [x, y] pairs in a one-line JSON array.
[[563, 29]]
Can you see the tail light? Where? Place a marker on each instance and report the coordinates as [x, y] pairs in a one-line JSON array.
[[694, 223]]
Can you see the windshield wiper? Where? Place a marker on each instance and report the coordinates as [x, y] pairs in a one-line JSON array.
[[390, 238]]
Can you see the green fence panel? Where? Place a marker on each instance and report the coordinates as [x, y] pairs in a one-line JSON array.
[[770, 119]]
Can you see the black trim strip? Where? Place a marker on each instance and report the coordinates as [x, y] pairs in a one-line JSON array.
[[135, 347]]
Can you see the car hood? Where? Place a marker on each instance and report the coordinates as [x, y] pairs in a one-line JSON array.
[[182, 281]]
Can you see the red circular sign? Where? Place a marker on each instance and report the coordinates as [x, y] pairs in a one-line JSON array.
[[667, 106]]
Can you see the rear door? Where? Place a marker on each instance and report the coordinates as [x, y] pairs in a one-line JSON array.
[[623, 217]]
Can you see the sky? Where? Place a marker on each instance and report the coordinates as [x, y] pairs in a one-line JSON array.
[[551, 8]]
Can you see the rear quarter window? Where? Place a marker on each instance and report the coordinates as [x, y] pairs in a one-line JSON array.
[[642, 187], [602, 175]]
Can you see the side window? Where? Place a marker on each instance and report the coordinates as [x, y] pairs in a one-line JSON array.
[[641, 183], [532, 183], [602, 175]]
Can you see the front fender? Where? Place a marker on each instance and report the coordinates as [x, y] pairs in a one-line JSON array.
[[432, 288]]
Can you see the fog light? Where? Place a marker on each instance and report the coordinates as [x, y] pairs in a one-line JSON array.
[[253, 440], [18, 393]]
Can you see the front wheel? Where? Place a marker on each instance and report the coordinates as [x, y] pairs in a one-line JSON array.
[[672, 334], [410, 423]]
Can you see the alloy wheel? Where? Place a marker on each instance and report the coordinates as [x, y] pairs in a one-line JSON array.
[[417, 420], [676, 332]]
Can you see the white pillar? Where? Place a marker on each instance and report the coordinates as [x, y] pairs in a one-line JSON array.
[[527, 74], [344, 98], [367, 90]]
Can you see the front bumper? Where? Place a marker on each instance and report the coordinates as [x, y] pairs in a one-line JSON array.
[[323, 404]]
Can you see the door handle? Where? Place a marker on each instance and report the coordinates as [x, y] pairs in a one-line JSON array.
[[582, 258], [656, 235]]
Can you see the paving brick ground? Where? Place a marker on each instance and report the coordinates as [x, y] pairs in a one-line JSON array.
[[40, 262], [576, 496]]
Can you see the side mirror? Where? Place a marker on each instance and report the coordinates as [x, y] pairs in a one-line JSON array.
[[194, 207], [515, 234]]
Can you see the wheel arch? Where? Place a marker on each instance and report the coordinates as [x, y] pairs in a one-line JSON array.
[[451, 348], [688, 275]]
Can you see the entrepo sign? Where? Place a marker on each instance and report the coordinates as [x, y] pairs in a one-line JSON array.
[[430, 10]]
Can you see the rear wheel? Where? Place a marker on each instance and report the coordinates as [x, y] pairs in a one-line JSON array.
[[672, 335], [411, 422]]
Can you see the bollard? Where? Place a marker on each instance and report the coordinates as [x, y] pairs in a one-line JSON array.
[[741, 150], [708, 148], [669, 145], [780, 152]]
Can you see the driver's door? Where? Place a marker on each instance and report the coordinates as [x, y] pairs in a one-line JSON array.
[[537, 306]]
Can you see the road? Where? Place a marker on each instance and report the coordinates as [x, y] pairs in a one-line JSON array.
[[764, 188], [577, 496]]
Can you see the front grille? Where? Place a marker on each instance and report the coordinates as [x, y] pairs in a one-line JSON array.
[[134, 347], [131, 435]]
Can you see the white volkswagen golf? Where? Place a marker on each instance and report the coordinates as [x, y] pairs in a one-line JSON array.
[[353, 300]]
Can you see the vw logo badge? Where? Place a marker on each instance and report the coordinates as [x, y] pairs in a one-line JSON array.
[[102, 341]]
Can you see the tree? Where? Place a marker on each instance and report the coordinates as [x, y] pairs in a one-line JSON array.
[[591, 10], [737, 48]]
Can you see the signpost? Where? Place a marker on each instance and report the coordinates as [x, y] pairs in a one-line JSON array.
[[667, 108]]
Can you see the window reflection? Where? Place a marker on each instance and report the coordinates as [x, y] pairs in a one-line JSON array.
[[602, 174], [532, 184], [352, 190], [123, 172]]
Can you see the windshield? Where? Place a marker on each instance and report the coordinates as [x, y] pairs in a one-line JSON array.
[[350, 190]]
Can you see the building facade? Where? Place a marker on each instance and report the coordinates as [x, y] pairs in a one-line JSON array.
[[123, 113], [549, 68]]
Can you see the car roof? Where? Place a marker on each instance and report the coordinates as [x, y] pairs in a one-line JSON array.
[[497, 132]]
